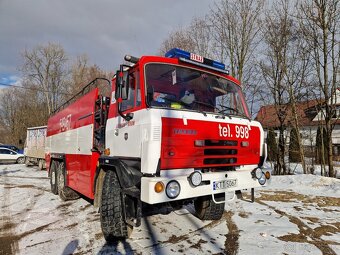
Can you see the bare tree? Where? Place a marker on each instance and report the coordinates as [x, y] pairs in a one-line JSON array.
[[9, 115], [200, 33], [236, 32], [277, 35], [236, 37], [177, 39], [82, 73], [297, 73], [48, 81], [320, 23], [195, 38], [45, 67], [19, 109]]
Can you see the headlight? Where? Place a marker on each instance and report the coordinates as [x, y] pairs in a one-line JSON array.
[[195, 178], [172, 189], [258, 173], [262, 179]]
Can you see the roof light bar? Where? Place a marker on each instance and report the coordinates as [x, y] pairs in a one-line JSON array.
[[177, 53], [195, 59]]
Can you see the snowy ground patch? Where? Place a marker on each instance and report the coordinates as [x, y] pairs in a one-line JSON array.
[[296, 214]]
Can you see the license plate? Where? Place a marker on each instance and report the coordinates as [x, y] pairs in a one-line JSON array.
[[225, 184]]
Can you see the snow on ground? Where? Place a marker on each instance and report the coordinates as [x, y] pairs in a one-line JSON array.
[[296, 214]]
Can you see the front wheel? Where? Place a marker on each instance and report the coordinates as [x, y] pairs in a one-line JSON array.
[[207, 209], [111, 209]]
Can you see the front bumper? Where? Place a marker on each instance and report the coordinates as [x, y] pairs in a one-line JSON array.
[[244, 180]]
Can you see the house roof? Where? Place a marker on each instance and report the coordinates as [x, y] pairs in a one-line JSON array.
[[307, 110]]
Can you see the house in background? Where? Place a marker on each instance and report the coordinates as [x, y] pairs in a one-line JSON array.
[[310, 117]]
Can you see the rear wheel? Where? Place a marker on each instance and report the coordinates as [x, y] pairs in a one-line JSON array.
[[41, 164], [21, 160], [111, 210], [207, 209], [53, 177], [27, 161], [65, 193]]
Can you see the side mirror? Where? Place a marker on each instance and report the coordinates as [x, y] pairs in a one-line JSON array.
[[122, 84]]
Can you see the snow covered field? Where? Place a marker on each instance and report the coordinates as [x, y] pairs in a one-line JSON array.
[[297, 214]]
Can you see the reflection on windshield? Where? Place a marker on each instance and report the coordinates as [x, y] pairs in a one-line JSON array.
[[170, 86]]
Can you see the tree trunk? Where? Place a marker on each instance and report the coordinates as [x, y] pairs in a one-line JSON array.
[[281, 166]]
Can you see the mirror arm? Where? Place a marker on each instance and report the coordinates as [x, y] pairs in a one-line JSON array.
[[126, 117]]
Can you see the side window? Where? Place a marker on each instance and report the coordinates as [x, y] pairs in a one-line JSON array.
[[3, 151], [134, 97]]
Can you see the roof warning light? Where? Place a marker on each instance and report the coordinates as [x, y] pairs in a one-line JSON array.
[[195, 59]]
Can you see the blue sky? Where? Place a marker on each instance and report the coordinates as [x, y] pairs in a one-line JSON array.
[[9, 79], [105, 30]]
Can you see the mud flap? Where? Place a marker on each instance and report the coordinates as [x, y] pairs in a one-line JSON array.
[[132, 206]]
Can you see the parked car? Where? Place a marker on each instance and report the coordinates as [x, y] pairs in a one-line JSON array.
[[12, 147], [10, 156]]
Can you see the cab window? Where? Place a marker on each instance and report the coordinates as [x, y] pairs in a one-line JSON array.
[[134, 97]]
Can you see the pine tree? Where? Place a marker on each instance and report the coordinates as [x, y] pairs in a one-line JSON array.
[[294, 152]]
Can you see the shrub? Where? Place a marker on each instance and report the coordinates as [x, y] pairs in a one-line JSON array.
[[294, 150]]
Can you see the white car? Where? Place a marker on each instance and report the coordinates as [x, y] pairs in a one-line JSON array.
[[10, 156]]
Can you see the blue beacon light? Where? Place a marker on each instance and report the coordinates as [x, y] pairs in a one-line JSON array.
[[195, 59]]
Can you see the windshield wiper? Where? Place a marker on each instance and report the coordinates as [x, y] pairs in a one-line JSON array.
[[205, 104], [187, 106], [227, 108]]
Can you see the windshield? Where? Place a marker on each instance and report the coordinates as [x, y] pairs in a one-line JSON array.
[[175, 87]]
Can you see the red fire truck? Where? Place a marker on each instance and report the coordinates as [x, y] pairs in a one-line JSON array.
[[174, 129]]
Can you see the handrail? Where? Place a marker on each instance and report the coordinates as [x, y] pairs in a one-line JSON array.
[[81, 92]]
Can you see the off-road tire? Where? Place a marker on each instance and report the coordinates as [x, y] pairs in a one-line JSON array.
[[65, 193], [207, 209], [111, 210], [53, 177], [21, 160]]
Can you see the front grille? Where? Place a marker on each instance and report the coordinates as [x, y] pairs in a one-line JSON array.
[[219, 161], [220, 152], [220, 143]]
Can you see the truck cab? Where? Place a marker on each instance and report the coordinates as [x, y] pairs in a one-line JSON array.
[[186, 119]]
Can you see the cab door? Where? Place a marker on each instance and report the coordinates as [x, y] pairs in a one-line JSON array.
[[124, 137]]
